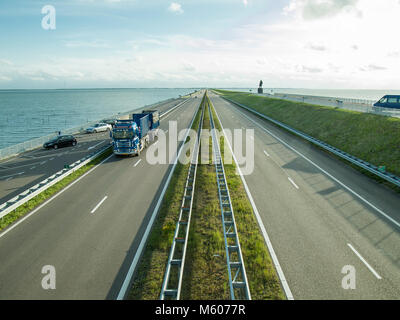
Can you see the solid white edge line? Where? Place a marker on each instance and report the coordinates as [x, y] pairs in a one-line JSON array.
[[293, 183], [98, 205], [139, 250], [274, 257], [325, 172], [365, 262], [52, 198], [137, 162]]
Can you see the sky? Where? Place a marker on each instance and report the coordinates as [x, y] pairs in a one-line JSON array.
[[320, 44]]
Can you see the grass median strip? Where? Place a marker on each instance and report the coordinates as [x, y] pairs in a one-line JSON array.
[[206, 276], [149, 274], [262, 277], [373, 138], [47, 194]]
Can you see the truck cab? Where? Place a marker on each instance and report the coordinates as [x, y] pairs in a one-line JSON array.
[[389, 101], [130, 137], [125, 137]]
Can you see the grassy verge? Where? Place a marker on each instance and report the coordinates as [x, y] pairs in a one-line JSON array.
[[262, 277], [206, 274], [45, 195], [148, 278]]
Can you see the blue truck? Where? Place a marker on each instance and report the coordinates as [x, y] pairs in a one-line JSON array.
[[130, 137]]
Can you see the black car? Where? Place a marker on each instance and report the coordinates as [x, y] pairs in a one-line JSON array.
[[60, 141]]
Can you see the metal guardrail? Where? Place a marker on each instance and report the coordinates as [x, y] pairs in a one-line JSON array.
[[344, 155], [172, 283], [31, 192], [238, 284]]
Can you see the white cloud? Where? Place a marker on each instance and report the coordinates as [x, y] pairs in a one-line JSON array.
[[314, 9], [176, 8]]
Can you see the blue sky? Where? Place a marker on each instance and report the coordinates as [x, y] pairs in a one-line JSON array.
[[196, 43]]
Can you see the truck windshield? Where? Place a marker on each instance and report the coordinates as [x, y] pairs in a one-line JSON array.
[[122, 134]]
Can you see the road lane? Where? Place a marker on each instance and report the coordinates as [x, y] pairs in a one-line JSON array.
[[310, 227], [91, 252]]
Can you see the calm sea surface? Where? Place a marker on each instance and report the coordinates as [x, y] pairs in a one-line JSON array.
[[28, 114]]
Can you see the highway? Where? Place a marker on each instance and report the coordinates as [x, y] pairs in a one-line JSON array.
[[320, 214], [27, 169], [90, 231]]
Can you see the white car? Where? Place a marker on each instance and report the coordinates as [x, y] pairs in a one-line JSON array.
[[99, 127]]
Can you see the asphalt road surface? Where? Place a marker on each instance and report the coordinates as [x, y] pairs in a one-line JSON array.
[[27, 169], [318, 224], [90, 231]]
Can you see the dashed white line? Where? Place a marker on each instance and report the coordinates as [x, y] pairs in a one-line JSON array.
[[266, 153], [98, 205], [365, 262], [43, 162], [92, 147], [51, 159], [137, 162], [33, 168], [12, 175], [293, 183]]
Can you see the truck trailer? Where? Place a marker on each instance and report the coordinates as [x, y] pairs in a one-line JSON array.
[[130, 137]]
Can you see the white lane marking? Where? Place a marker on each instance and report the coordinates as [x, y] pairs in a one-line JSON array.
[[43, 162], [365, 262], [52, 198], [137, 163], [92, 147], [32, 168], [98, 205], [325, 172], [51, 159], [274, 257], [266, 153], [292, 182], [11, 175]]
